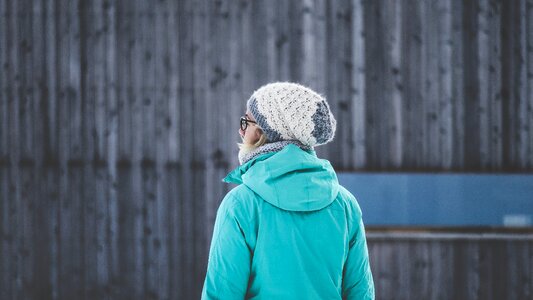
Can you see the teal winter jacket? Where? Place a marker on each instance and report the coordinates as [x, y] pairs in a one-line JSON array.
[[288, 231]]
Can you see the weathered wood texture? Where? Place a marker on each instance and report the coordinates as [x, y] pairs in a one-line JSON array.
[[119, 118], [451, 265]]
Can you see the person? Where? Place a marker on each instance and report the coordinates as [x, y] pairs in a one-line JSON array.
[[289, 230]]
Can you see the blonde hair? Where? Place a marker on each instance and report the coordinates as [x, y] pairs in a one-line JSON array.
[[247, 147]]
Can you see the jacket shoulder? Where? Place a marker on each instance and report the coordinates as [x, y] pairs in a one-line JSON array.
[[240, 198], [352, 206]]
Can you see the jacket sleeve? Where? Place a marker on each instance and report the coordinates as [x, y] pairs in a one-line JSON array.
[[357, 281], [228, 267]]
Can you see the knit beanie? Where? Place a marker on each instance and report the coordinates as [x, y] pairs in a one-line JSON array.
[[290, 111]]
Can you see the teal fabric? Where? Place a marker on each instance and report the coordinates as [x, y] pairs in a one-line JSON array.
[[288, 231]]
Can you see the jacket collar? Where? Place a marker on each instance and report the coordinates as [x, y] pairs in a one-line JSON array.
[[235, 176]]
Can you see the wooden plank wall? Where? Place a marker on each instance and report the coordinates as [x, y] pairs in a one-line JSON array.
[[418, 265], [119, 118]]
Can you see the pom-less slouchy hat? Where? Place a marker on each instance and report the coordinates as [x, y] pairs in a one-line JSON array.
[[290, 111]]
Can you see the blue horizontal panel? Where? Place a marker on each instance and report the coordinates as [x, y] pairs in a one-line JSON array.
[[443, 199]]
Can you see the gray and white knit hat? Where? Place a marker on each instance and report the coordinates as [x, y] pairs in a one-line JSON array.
[[290, 111]]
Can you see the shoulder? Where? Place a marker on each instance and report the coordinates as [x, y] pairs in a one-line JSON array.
[[237, 200], [350, 202]]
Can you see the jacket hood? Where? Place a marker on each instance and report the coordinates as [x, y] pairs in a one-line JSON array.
[[291, 179]]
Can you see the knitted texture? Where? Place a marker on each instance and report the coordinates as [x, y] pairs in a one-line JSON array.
[[290, 111], [270, 147]]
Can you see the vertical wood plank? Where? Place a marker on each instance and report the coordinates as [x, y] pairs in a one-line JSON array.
[[102, 263], [441, 267], [138, 84], [259, 66], [161, 241], [521, 80], [516, 269], [473, 262], [96, 81], [425, 134], [486, 276], [283, 41], [146, 79], [271, 37], [70, 236], [295, 30], [26, 208], [138, 88], [217, 95], [162, 65], [151, 236], [90, 246], [445, 90], [40, 265], [508, 130], [424, 73], [387, 275], [175, 236], [46, 204], [529, 289], [328, 74], [59, 14], [380, 121], [430, 83], [341, 105], [112, 92], [71, 276], [404, 261], [369, 12], [198, 202], [358, 98], [6, 238], [423, 267], [4, 65], [495, 123], [74, 82], [15, 203], [50, 85], [24, 44], [471, 88], [175, 46], [90, 41], [513, 84], [96, 123], [185, 221], [308, 54], [125, 67], [28, 165], [131, 262], [394, 84], [483, 79], [419, 79], [247, 58], [51, 138], [529, 59], [525, 258], [237, 99], [408, 80], [460, 262], [458, 116]]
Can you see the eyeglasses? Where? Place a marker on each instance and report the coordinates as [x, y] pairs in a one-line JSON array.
[[244, 123]]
